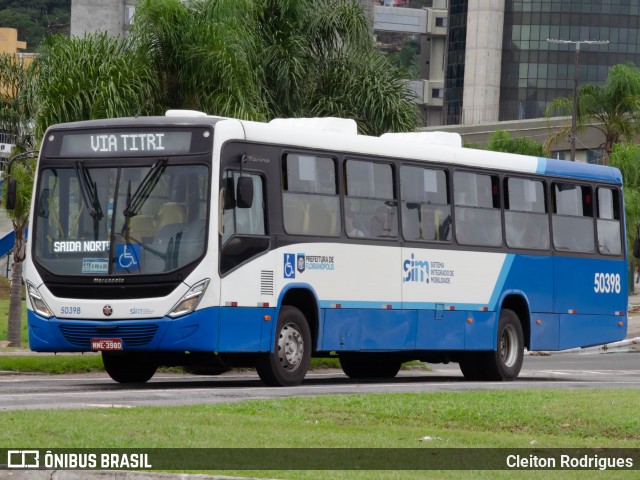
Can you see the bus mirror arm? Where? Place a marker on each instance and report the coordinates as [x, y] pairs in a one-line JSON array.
[[12, 183], [244, 195], [10, 200]]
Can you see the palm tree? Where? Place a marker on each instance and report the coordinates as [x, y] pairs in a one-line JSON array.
[[22, 171], [15, 106], [205, 54], [15, 116], [626, 157], [260, 59], [92, 77], [611, 108]]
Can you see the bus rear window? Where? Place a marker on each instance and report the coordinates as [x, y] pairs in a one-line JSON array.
[[609, 237]]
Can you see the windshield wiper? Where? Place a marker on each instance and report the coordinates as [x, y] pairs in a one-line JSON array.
[[148, 183], [89, 190]]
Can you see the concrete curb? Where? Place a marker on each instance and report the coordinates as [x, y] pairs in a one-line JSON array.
[[606, 348]]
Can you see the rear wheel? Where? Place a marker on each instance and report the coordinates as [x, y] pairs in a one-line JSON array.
[[470, 365], [369, 365], [287, 365], [506, 361], [129, 367]]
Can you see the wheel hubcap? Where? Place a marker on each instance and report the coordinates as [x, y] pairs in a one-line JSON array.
[[509, 346], [290, 347]]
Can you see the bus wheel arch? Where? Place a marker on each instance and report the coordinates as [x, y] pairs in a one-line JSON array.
[[518, 305], [511, 335], [305, 301], [288, 363]]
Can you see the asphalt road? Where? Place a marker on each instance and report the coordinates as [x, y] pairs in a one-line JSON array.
[[567, 370]]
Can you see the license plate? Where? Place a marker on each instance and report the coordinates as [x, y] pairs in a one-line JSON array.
[[99, 344]]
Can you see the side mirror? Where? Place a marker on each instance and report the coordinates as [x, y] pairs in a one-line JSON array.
[[244, 195], [12, 187]]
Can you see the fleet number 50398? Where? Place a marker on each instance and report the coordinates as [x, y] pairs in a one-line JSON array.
[[606, 283]]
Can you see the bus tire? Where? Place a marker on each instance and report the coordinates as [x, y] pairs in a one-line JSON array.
[[363, 365], [128, 367], [287, 365], [505, 362]]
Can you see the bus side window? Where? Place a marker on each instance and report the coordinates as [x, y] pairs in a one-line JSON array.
[[310, 195], [426, 209], [370, 199], [477, 209], [572, 219], [608, 224], [525, 216]]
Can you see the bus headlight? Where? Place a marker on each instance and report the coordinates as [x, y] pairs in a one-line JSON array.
[[37, 303], [189, 300]]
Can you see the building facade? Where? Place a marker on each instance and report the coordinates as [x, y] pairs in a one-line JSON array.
[[499, 56], [111, 16]]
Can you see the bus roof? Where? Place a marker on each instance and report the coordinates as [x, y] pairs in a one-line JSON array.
[[304, 133], [403, 146]]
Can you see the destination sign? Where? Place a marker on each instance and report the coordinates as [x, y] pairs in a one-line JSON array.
[[126, 143]]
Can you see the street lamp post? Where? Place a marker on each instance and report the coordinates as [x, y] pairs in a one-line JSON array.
[[574, 111]]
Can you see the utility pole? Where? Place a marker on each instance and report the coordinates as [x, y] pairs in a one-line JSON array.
[[574, 112]]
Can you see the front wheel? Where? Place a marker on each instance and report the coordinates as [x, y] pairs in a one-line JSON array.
[[129, 367], [287, 365]]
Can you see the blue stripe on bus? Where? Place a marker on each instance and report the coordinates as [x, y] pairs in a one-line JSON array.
[[585, 171], [502, 278]]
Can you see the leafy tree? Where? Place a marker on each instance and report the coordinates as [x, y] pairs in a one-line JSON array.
[[15, 101], [15, 115], [91, 77], [37, 19], [611, 108], [626, 157], [501, 141], [260, 59]]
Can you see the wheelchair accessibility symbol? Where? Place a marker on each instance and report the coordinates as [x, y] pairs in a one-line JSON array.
[[127, 257], [289, 265]]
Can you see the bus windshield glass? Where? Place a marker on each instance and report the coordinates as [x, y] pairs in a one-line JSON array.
[[132, 220]]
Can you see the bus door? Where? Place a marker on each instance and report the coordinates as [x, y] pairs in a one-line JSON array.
[[244, 239]]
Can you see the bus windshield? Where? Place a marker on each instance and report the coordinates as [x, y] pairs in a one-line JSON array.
[[131, 220]]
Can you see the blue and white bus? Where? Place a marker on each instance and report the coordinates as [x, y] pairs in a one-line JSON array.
[[214, 243]]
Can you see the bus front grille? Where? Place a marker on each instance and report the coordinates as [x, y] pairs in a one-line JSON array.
[[131, 335]]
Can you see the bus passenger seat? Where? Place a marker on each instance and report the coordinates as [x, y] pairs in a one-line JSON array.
[[319, 220], [171, 212], [142, 227]]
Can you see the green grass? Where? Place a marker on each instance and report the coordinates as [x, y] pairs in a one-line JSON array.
[[48, 364], [509, 419]]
